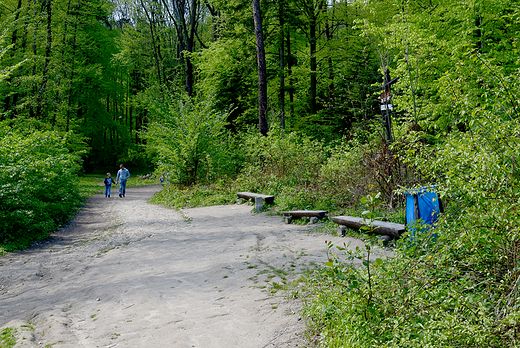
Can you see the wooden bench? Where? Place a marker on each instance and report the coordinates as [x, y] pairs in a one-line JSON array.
[[294, 214], [380, 227], [249, 195]]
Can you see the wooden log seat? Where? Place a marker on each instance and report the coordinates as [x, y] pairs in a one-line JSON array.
[[306, 213], [315, 215], [380, 227], [249, 195]]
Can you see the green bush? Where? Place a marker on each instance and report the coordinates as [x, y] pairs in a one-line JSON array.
[[287, 166], [190, 141], [308, 174], [459, 289], [38, 185], [179, 197], [291, 157]]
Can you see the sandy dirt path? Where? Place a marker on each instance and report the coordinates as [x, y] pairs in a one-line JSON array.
[[126, 273]]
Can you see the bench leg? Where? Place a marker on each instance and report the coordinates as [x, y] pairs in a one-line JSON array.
[[259, 203], [385, 239], [288, 219], [342, 231], [314, 220]]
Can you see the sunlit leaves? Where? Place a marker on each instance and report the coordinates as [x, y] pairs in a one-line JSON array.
[[188, 139], [38, 190]]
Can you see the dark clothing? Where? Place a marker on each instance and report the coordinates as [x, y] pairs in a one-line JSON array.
[[108, 186]]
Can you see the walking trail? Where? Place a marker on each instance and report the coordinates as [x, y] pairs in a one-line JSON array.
[[126, 273]]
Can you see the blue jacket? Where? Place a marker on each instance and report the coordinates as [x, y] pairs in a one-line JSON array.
[[122, 175]]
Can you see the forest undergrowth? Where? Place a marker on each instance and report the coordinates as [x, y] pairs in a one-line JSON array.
[[459, 289], [454, 287]]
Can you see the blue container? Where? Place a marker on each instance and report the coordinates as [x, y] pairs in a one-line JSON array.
[[422, 206]]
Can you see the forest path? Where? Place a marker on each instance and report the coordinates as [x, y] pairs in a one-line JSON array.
[[126, 273]]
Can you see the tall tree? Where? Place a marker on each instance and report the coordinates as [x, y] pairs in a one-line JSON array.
[[312, 10], [185, 17], [47, 4], [281, 43], [262, 74]]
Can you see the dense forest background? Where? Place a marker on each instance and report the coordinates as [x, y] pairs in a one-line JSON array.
[[95, 68], [285, 97], [104, 70]]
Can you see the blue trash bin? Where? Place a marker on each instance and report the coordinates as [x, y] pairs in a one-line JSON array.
[[423, 206]]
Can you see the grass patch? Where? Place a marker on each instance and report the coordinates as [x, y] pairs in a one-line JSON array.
[[179, 197], [7, 337], [139, 181], [90, 184]]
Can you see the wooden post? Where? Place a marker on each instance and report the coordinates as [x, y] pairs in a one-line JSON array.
[[386, 105]]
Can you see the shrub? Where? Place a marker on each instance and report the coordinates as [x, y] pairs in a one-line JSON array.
[[291, 158], [177, 197], [38, 190], [308, 174], [190, 140], [458, 290]]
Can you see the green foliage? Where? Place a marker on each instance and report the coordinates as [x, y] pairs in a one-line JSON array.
[[62, 76], [38, 189], [179, 197], [5, 71], [7, 338], [286, 166], [190, 141], [308, 174], [459, 289], [227, 70], [291, 157], [449, 56]]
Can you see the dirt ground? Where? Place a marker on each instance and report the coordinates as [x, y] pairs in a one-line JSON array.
[[126, 273]]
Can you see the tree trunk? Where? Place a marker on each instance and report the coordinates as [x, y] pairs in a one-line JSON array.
[[73, 66], [215, 25], [330, 88], [45, 72], [282, 63], [189, 47], [16, 16], [11, 100], [262, 74], [35, 54], [155, 54], [313, 62], [289, 72], [62, 62]]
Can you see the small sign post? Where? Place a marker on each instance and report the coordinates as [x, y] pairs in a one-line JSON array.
[[386, 105]]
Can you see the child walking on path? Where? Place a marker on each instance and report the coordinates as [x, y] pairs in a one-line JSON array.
[[122, 175], [108, 185]]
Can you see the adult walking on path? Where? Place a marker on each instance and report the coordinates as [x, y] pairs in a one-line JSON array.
[[122, 175]]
